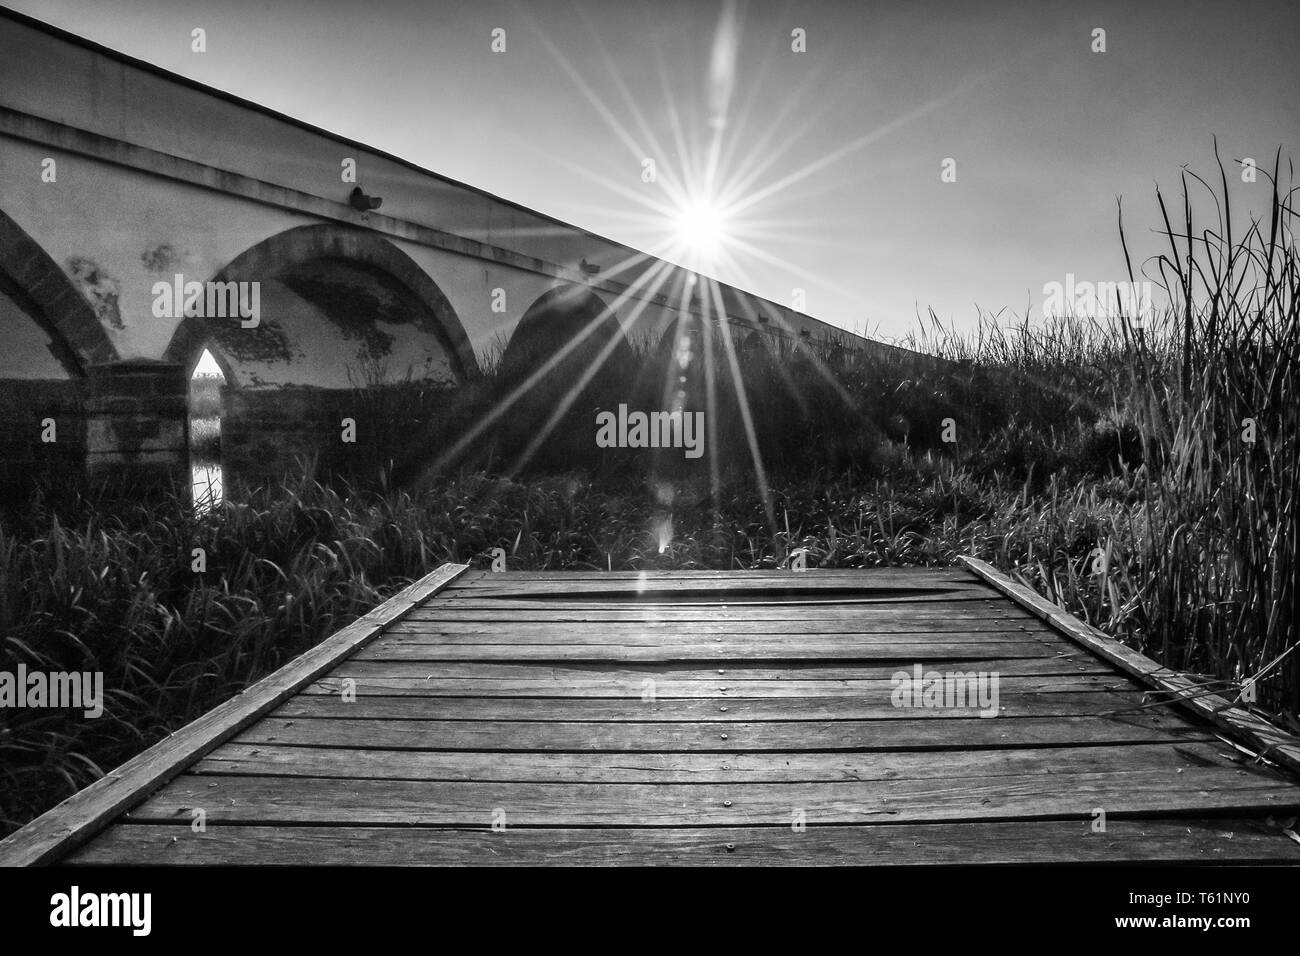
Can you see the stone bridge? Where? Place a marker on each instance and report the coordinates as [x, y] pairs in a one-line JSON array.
[[145, 218]]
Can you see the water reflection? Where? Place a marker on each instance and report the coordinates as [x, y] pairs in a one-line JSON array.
[[205, 485], [205, 433]]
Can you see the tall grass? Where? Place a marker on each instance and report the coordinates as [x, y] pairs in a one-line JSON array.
[[1191, 551], [120, 594]]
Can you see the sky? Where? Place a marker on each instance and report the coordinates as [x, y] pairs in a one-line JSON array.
[[827, 162]]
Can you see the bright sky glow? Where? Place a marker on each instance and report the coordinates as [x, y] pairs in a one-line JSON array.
[[701, 228], [207, 367]]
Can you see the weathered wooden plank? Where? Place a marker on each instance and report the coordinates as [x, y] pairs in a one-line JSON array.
[[869, 576], [318, 800], [667, 736], [718, 687], [1141, 840], [354, 763], [809, 614], [1241, 724], [939, 625], [875, 706], [727, 651], [1076, 662], [674, 637], [863, 584], [934, 601], [59, 829], [751, 597]]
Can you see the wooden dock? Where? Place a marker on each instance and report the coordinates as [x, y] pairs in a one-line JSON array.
[[699, 718]]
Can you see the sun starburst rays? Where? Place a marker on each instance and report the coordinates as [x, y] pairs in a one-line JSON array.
[[707, 205]]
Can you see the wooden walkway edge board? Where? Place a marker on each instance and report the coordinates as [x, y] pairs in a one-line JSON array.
[[82, 815], [1236, 722]]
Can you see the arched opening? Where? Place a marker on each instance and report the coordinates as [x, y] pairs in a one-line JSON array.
[[563, 317], [567, 357], [207, 382], [347, 327]]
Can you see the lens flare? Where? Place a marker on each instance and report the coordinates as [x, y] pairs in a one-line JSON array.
[[701, 228]]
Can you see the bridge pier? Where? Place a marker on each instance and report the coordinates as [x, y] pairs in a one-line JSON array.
[[137, 426]]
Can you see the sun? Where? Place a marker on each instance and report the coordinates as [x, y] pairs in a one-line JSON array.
[[701, 228]]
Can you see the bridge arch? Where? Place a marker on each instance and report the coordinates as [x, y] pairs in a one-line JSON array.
[[551, 423], [557, 317], [301, 258], [338, 310]]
